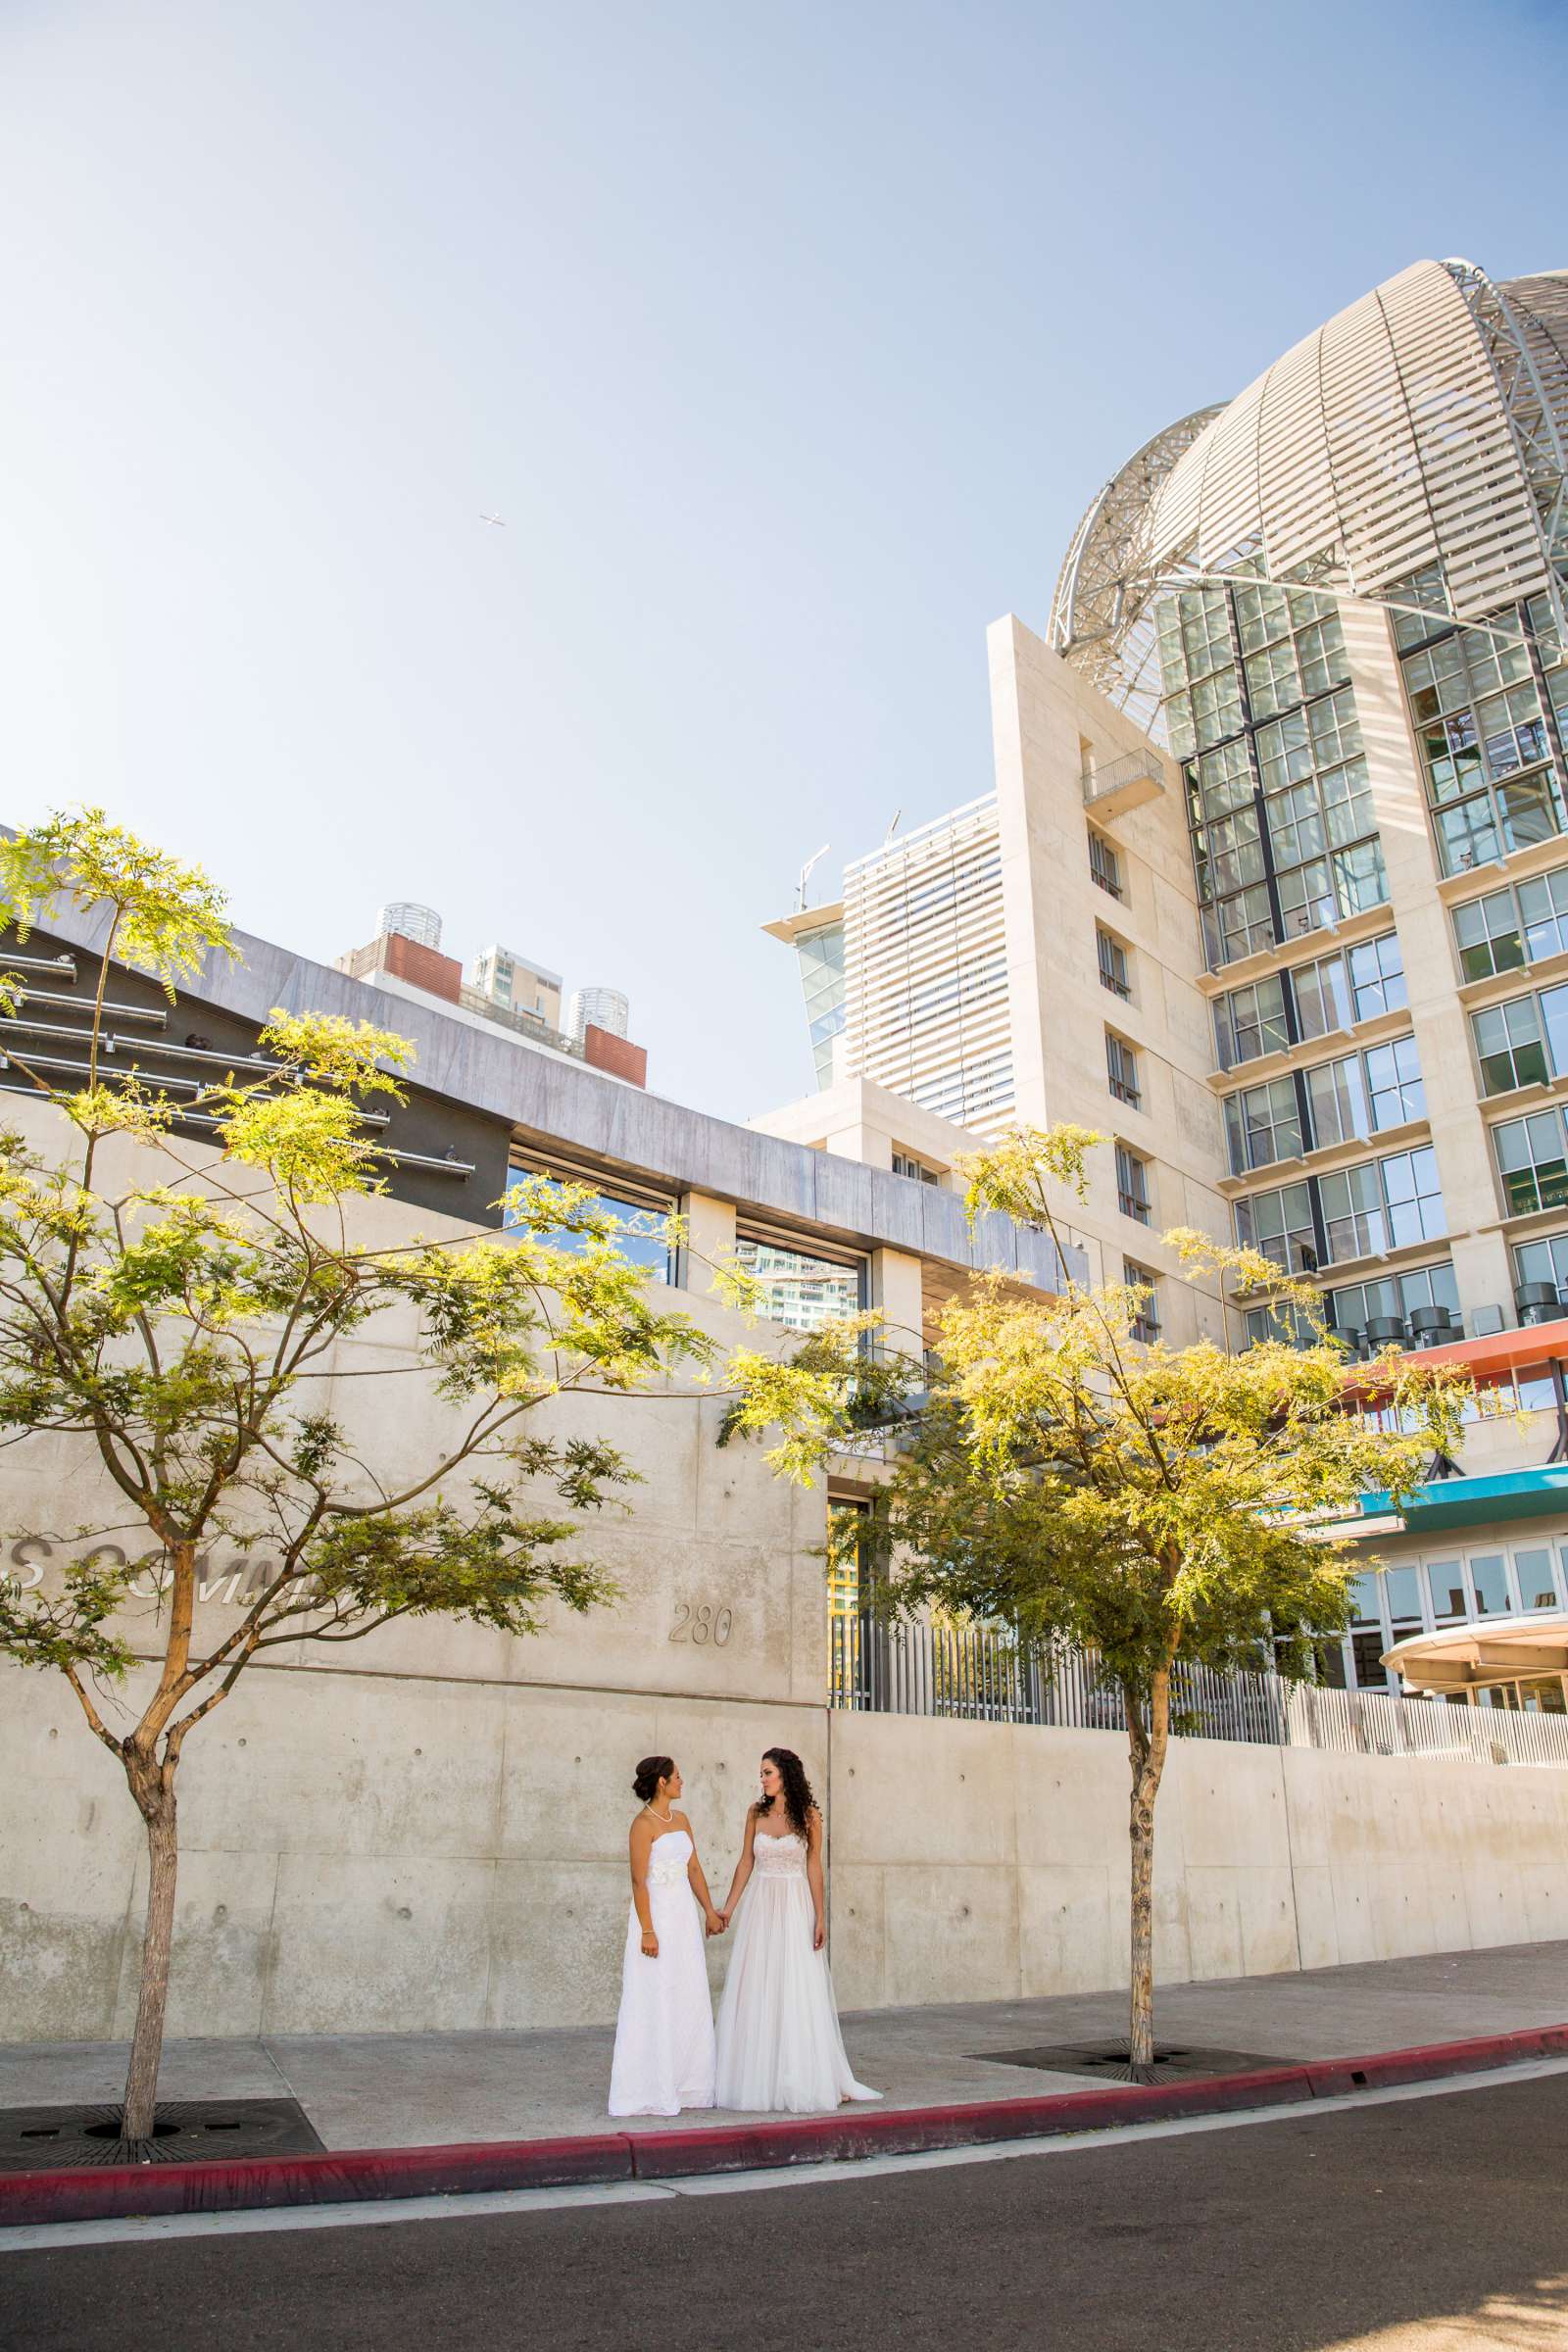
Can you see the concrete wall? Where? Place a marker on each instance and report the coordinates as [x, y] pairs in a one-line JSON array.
[[983, 1861], [371, 1849]]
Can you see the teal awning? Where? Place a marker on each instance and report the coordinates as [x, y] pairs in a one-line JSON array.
[[1471, 1501]]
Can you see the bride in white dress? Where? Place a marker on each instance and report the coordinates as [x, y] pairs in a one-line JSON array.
[[665, 2034], [779, 2044]]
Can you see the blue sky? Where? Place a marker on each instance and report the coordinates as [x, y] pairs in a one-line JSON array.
[[790, 343]]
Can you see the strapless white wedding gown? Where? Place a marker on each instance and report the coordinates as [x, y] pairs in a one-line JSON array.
[[665, 2034], [779, 2044]]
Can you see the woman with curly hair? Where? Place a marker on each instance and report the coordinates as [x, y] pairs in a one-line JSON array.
[[779, 2043]]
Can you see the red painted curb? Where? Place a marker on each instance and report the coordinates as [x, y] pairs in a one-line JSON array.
[[353, 2175], [336, 2177], [908, 2131], [1332, 2078]]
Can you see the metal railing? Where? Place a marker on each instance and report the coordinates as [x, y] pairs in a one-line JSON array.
[[971, 1675]]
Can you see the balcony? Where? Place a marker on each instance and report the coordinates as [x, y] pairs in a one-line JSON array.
[[1124, 785]]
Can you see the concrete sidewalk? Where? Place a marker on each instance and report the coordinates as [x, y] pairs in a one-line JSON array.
[[373, 2090]]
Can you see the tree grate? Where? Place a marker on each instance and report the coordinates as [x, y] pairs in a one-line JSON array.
[[1108, 2061], [42, 2139]]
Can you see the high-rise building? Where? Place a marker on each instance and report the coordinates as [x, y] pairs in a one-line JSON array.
[[605, 1009], [519, 984], [1282, 898]]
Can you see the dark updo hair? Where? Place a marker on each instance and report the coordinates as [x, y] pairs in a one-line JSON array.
[[798, 1798], [650, 1772]]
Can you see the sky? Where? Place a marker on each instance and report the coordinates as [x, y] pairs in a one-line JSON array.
[[789, 343]]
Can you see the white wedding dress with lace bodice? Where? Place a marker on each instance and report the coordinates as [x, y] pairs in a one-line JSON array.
[[779, 2044], [665, 2034]]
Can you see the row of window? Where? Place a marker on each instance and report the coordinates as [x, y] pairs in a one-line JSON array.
[[1309, 1000], [1450, 1589], [1509, 928], [803, 1289], [1348, 1101], [1350, 1307], [1364, 1212], [1502, 932], [1485, 742]]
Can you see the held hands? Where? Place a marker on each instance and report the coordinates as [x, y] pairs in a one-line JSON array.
[[717, 1922]]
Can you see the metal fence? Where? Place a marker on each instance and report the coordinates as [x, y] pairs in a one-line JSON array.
[[973, 1676]]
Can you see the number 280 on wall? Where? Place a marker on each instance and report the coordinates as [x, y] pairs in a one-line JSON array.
[[702, 1621]]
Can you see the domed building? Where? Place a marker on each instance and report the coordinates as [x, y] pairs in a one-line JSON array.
[[1273, 888]]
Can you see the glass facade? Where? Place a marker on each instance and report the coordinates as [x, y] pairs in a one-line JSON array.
[[1451, 1585], [1510, 928], [1361, 1211], [1306, 1000], [822, 960], [1483, 702], [1258, 707], [1348, 1101]]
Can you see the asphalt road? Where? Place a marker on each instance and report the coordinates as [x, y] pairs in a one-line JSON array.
[[1435, 2221]]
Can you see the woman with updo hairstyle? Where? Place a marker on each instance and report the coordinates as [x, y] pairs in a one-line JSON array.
[[779, 2044], [665, 2034]]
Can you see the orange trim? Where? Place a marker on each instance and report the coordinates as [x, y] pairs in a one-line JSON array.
[[1498, 1352]]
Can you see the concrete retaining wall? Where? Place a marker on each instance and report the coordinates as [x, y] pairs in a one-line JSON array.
[[380, 1851]]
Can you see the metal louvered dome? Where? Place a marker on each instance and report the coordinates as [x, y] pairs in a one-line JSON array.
[[1425, 426]]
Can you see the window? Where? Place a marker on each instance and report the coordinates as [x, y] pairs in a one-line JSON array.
[[1112, 957], [1486, 932], [1132, 1185], [848, 1524], [1544, 914], [1413, 1197], [1337, 1092], [1483, 744], [642, 1237], [1377, 977], [800, 1288], [1445, 1591], [1543, 1262], [1252, 1021], [1279, 1224], [906, 1164], [1509, 1047], [1103, 864], [1538, 1583], [1489, 1574], [1352, 1306], [1532, 1162], [1145, 1317], [1381, 1204], [1394, 1084], [1263, 1123], [1121, 1067], [1510, 928], [1322, 999]]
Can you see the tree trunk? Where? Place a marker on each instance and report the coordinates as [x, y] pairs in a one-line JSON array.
[[154, 1792], [1147, 1747]]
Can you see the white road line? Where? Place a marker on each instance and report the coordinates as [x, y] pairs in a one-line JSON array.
[[148, 2229]]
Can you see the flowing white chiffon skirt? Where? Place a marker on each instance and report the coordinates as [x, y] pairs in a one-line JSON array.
[[779, 2044], [665, 2034]]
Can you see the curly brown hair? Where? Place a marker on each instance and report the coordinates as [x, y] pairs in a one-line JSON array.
[[798, 1800]]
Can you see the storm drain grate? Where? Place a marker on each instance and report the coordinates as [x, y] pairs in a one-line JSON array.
[[1107, 2060], [39, 2139]]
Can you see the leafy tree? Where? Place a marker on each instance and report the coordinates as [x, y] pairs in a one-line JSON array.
[[176, 1309], [1147, 1504]]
